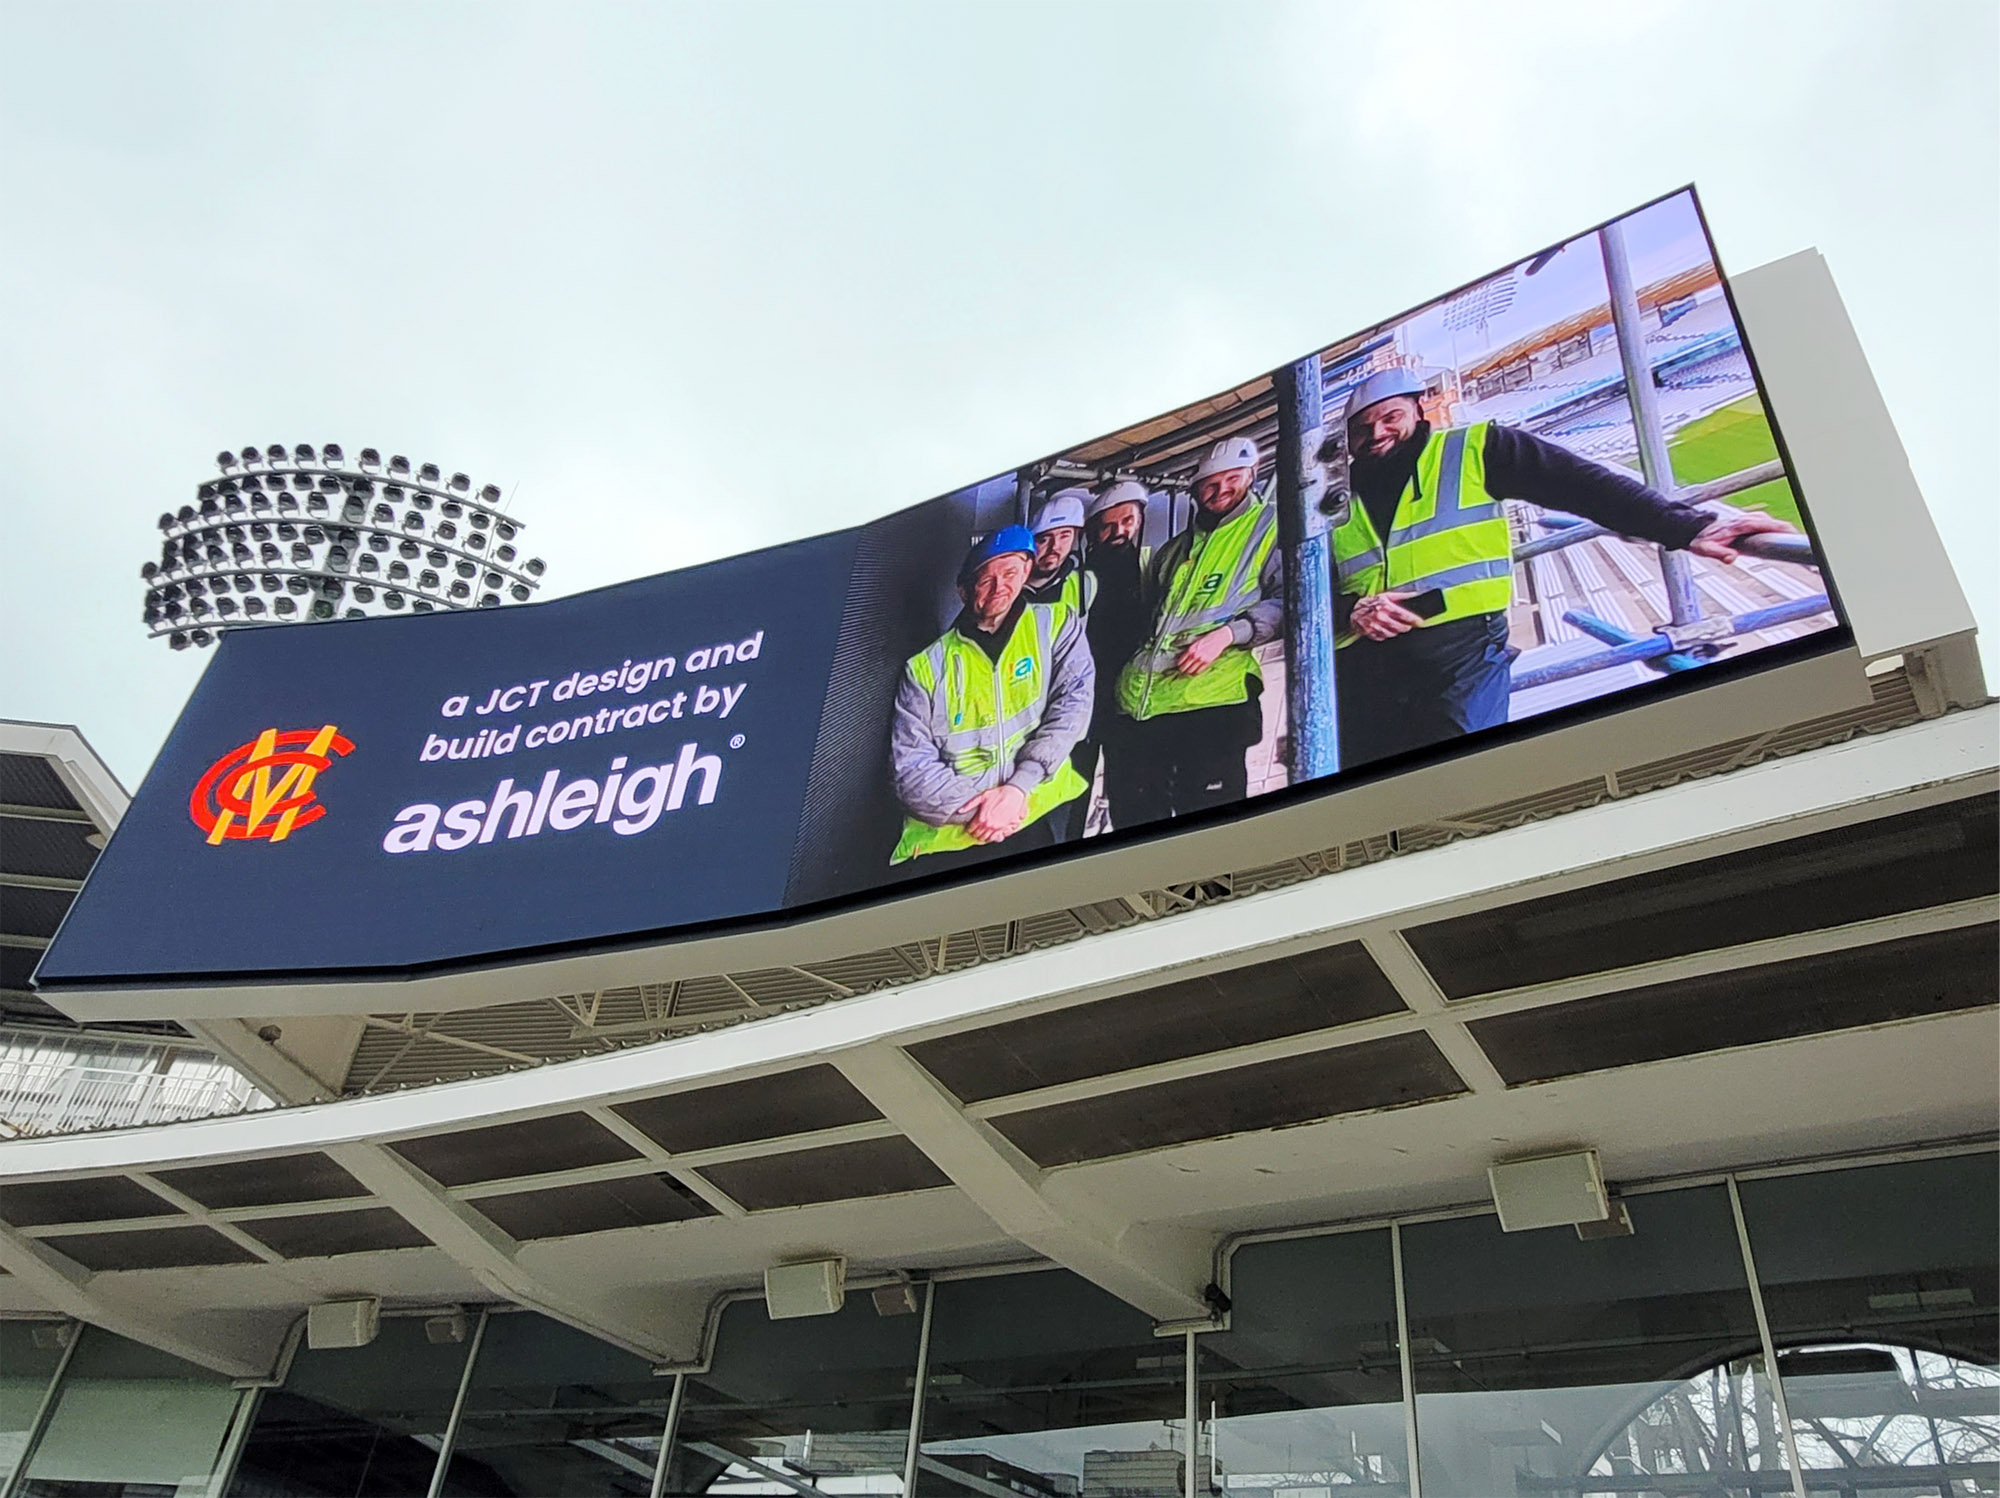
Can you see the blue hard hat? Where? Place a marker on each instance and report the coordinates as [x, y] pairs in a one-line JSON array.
[[1008, 539]]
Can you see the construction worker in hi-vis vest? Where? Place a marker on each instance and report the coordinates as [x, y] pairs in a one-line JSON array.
[[985, 719], [1193, 689], [1058, 580], [1057, 576], [1423, 563], [1116, 624]]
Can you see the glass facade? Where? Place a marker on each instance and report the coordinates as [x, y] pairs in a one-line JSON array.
[[1043, 1384], [1545, 1363], [1881, 1290], [552, 1411], [1538, 1363], [1304, 1392], [129, 1422], [30, 1354], [823, 1400], [360, 1421]]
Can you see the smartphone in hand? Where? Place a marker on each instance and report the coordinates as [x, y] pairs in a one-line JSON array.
[[1426, 605]]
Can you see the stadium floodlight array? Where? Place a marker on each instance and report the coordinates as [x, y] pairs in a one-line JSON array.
[[295, 535]]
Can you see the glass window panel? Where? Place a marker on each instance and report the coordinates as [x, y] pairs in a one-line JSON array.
[[1304, 1392], [363, 1422], [26, 1366], [1882, 1292], [813, 1404], [130, 1422], [552, 1411], [1044, 1385], [1546, 1364]]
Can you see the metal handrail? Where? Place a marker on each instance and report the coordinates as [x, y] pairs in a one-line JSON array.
[[1569, 530], [59, 1084]]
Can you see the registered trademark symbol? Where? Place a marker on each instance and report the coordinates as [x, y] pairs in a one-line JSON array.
[[736, 742]]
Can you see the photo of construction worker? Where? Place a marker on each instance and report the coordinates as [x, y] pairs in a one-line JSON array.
[[986, 718], [1421, 616], [1192, 694], [1059, 581], [1116, 626], [1058, 577], [1556, 484]]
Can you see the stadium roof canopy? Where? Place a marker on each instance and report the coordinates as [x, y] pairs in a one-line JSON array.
[[58, 803]]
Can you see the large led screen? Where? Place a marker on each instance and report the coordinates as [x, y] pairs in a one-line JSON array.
[[1547, 494]]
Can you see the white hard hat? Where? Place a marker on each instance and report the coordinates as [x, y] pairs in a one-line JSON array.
[[1228, 454], [1064, 507], [1383, 385], [1124, 492]]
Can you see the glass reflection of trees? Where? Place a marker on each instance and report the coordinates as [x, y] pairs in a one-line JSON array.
[[1866, 1419]]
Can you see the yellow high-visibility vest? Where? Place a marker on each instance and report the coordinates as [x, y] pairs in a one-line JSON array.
[[1210, 576], [1448, 533], [991, 706]]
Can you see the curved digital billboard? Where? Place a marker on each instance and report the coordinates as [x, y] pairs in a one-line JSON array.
[[1544, 495]]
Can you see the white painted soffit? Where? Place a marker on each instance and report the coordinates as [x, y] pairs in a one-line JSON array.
[[1923, 764], [76, 764]]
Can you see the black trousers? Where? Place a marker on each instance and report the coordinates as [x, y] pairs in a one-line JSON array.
[[1108, 745], [1185, 762], [1422, 688]]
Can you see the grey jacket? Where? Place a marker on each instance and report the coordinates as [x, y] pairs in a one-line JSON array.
[[931, 788]]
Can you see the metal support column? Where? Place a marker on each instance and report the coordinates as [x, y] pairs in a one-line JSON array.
[[1190, 1474], [234, 1442], [457, 1407], [43, 1410], [669, 1435], [1313, 727], [1405, 1361], [1683, 600], [1789, 1442], [913, 1448]]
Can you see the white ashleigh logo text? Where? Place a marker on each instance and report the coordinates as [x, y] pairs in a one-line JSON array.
[[628, 802]]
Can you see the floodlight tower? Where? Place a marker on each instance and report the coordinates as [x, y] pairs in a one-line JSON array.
[[294, 535]]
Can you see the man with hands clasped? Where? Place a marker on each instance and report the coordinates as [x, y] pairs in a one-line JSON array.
[[986, 717]]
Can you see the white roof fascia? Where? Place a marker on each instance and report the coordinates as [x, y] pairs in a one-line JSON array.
[[1896, 580], [69, 754]]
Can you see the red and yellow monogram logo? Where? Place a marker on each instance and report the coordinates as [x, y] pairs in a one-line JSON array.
[[264, 789]]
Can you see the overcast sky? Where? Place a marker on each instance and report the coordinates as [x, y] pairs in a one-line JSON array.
[[692, 279]]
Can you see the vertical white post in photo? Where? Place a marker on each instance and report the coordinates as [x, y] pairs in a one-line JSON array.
[[1683, 600]]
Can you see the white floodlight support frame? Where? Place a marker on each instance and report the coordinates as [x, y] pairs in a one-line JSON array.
[[326, 582]]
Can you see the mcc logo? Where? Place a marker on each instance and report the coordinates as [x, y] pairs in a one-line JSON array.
[[264, 789]]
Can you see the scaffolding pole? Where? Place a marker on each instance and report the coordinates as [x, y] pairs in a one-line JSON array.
[[1683, 601], [1313, 729], [1653, 648]]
